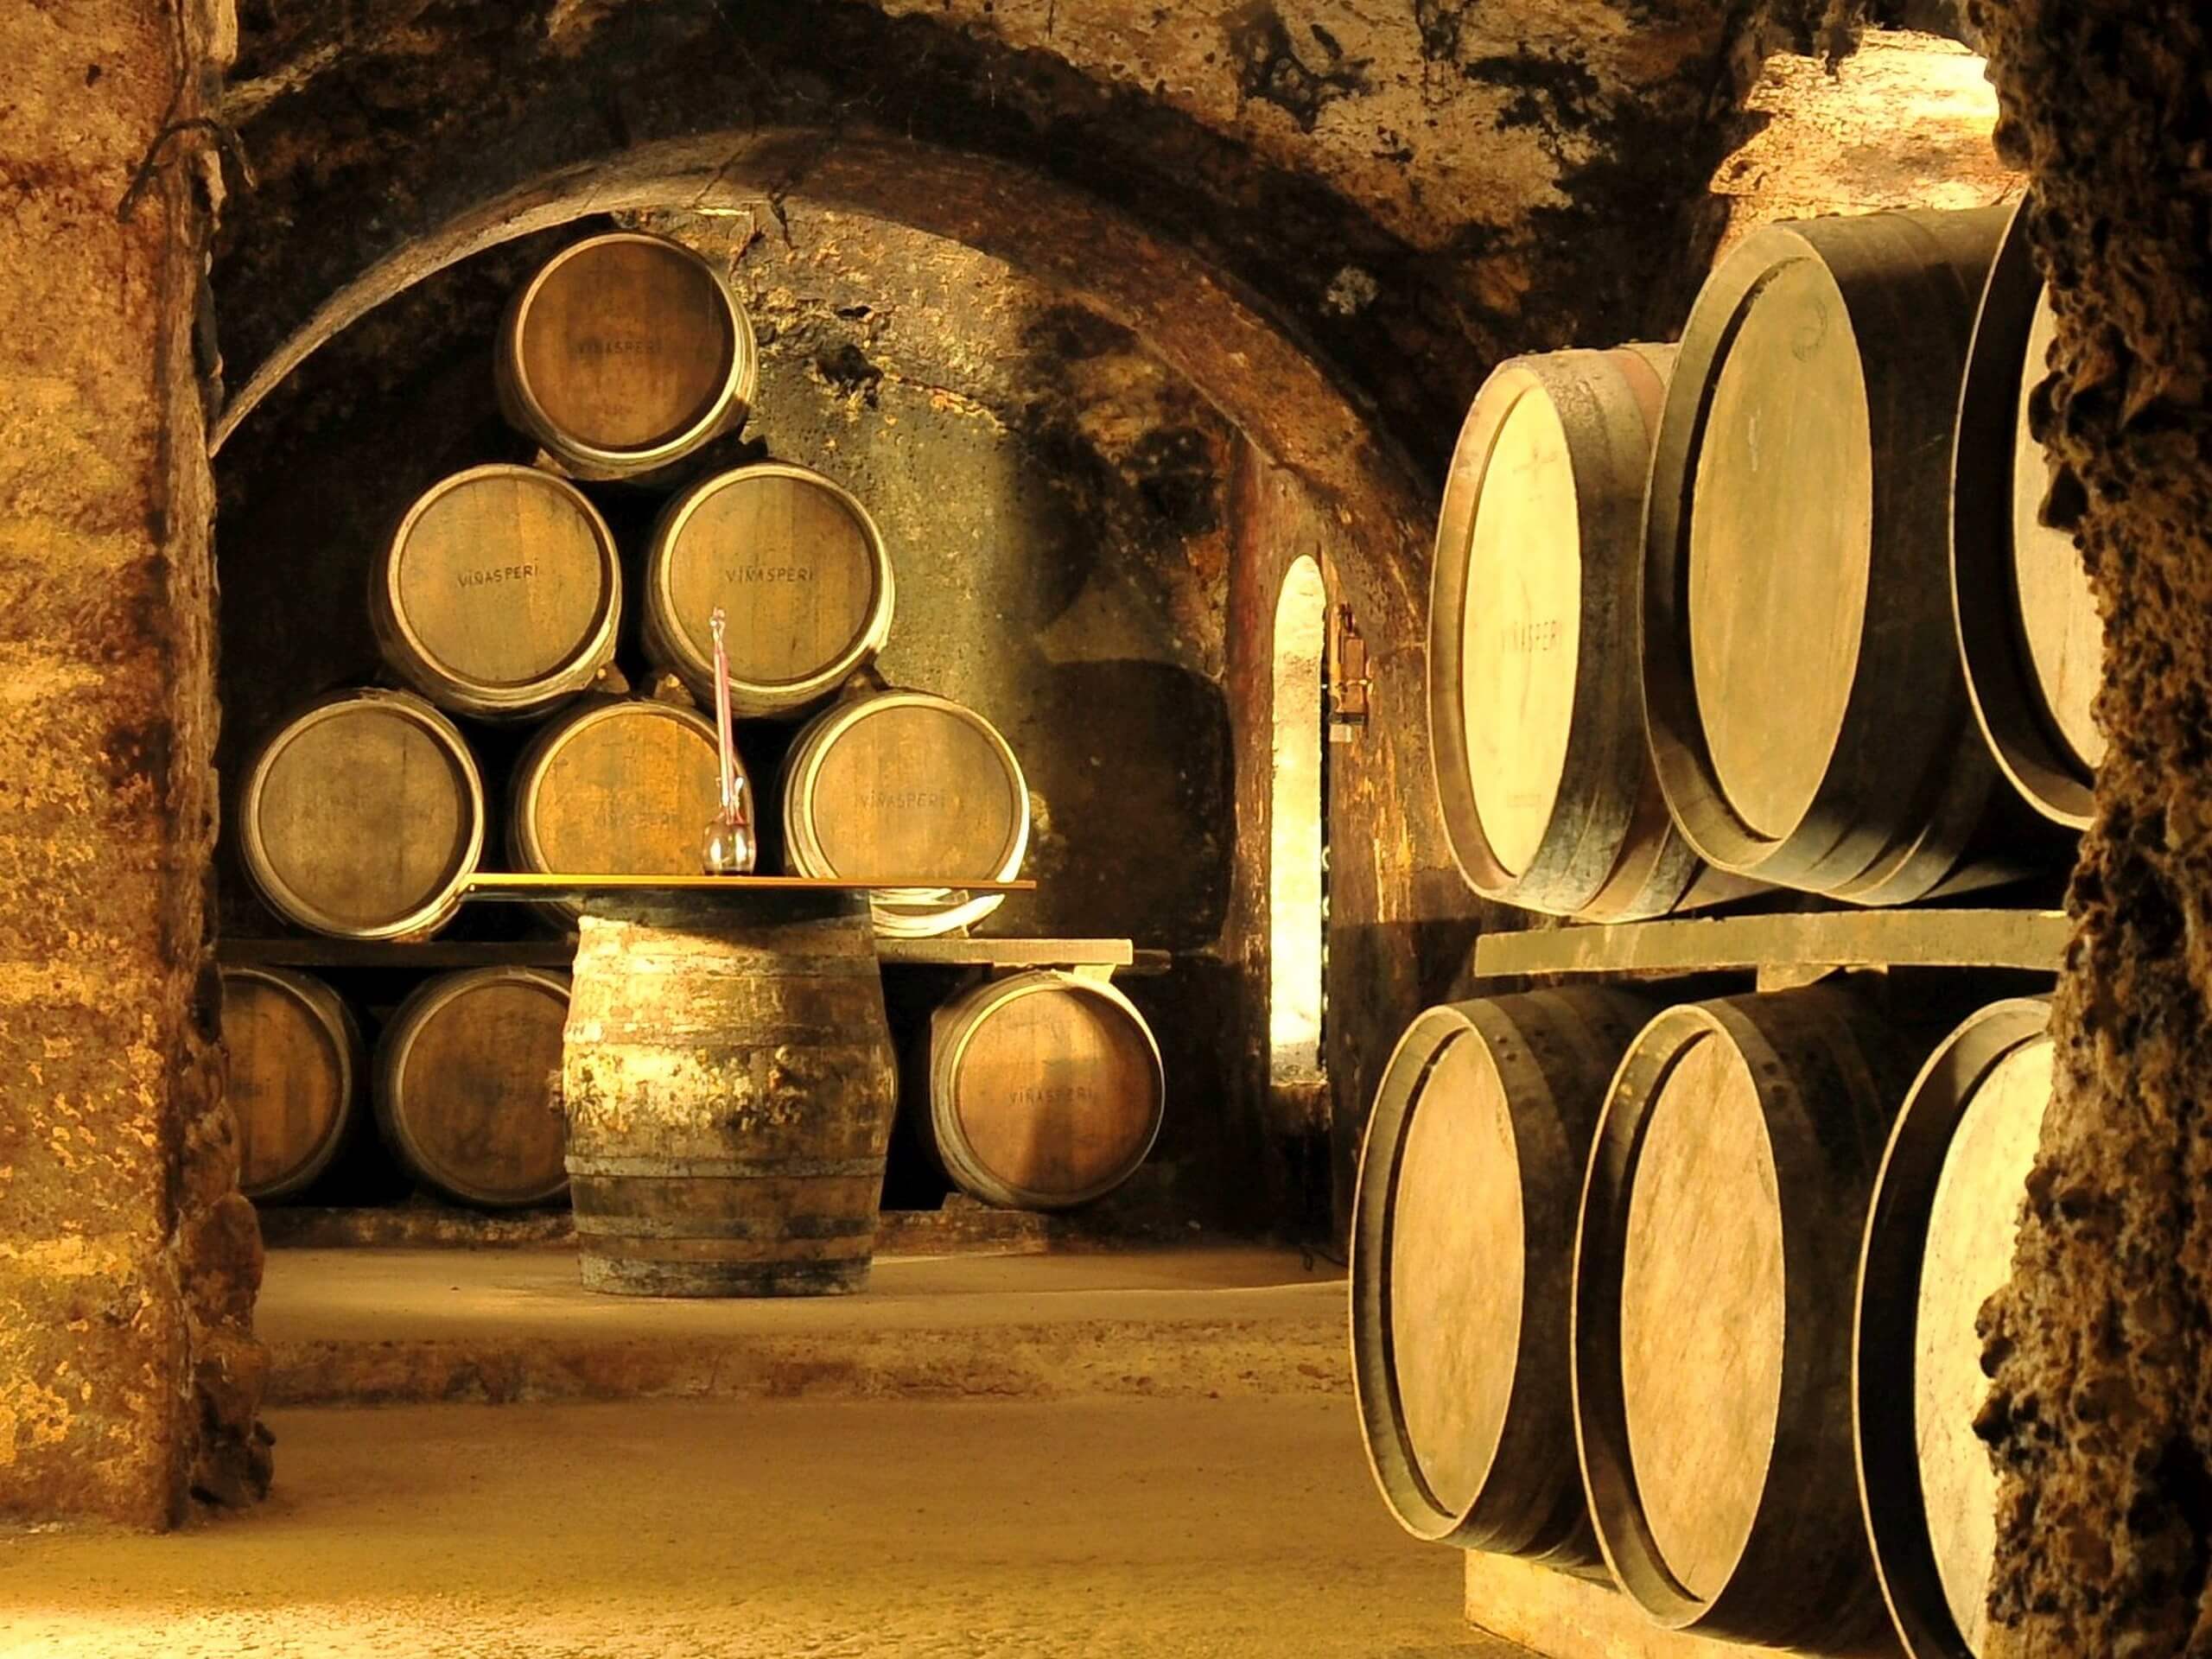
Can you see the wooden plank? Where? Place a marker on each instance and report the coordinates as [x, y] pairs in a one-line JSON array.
[[1566, 1617], [2034, 939], [306, 952], [1009, 953], [538, 887]]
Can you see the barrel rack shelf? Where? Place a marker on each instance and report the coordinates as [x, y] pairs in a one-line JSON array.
[[1119, 954], [2030, 940]]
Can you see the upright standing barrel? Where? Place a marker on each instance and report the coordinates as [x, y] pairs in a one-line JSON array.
[[1462, 1253], [363, 816], [1720, 1220], [1045, 1090], [622, 787], [729, 1084], [1535, 731], [905, 785], [1939, 1243], [798, 566], [465, 1086], [1808, 717], [295, 1072], [624, 353], [2028, 627], [500, 593]]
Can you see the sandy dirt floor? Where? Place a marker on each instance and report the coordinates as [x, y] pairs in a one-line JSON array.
[[1216, 1529]]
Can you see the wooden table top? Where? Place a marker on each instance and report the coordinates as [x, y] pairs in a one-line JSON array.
[[532, 885]]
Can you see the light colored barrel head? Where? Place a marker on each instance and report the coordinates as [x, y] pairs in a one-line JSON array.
[[365, 814], [626, 791], [627, 344], [1457, 1265], [2058, 613], [915, 791], [502, 577], [1523, 628], [790, 563], [1971, 1227], [475, 1092], [1780, 527], [286, 1081], [1703, 1304], [1058, 1093]]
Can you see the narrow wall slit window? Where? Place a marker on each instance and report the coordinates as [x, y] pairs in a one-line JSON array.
[[1297, 920]]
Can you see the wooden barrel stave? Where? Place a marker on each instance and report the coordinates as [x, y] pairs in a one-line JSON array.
[[1080, 1039], [442, 601], [363, 816], [730, 1086], [809, 606], [1879, 794], [1541, 517], [1938, 1239], [1730, 1507], [464, 1086], [294, 1069], [1484, 1455], [624, 353], [2028, 628]]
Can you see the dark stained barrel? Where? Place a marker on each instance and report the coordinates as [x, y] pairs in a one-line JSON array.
[[730, 1086], [1535, 730], [1807, 716], [1721, 1216], [1939, 1243], [624, 353], [2028, 627], [1462, 1256], [294, 1073]]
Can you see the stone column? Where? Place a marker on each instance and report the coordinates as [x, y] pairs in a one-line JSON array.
[[2102, 1415], [128, 1261]]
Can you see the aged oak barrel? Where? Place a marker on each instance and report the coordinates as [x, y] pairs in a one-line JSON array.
[[363, 816], [1045, 1090], [2028, 627], [499, 594], [466, 1094], [1939, 1243], [1720, 1226], [624, 353], [798, 566], [1806, 713], [1535, 730], [294, 1073], [1462, 1253], [904, 784], [729, 1084], [622, 787]]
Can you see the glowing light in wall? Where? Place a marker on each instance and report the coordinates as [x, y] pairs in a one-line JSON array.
[[1296, 919]]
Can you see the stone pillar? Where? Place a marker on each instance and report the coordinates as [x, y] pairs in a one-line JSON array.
[[128, 1262], [2102, 1416]]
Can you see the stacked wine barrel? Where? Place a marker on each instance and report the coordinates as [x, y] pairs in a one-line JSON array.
[[1776, 606], [499, 602], [1689, 1296]]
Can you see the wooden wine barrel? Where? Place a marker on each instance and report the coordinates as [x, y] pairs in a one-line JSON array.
[[499, 594], [1720, 1220], [2028, 627], [363, 816], [1535, 730], [620, 788], [1045, 1090], [1462, 1256], [466, 1079], [1939, 1243], [295, 1070], [800, 571], [902, 785], [1806, 713], [624, 353], [729, 1084]]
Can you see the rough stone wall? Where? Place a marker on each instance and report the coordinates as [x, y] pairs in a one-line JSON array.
[[128, 1262], [2101, 1419]]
